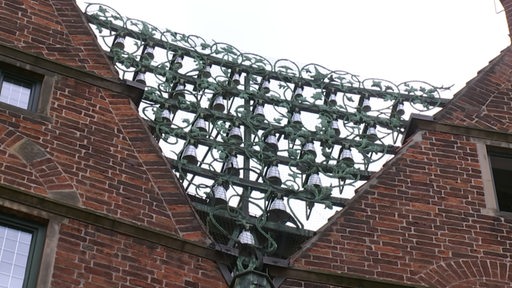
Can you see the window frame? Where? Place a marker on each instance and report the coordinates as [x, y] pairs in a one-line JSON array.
[[483, 146], [34, 80], [503, 153], [44, 79], [38, 232]]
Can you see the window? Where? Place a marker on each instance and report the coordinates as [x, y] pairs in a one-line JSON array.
[[501, 166], [19, 87], [21, 244]]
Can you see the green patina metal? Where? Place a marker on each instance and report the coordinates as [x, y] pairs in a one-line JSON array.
[[301, 134]]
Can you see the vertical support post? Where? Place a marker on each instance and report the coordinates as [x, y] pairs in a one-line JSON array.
[[244, 205]]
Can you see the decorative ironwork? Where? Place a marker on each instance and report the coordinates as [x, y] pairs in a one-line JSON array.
[[253, 142]]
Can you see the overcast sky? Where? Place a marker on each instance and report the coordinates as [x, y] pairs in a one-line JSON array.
[[437, 41]]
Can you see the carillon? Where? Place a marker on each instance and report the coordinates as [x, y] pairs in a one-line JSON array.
[[240, 133]]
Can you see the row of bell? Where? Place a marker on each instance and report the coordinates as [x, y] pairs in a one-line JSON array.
[[277, 211], [297, 120], [230, 166], [259, 112], [235, 135], [271, 142], [398, 108], [309, 149], [272, 175], [119, 43], [219, 105], [140, 76]]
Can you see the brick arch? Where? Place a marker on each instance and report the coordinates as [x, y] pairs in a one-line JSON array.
[[468, 273], [41, 171]]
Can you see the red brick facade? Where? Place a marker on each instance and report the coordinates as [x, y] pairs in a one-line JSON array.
[[96, 257], [420, 221], [54, 30], [423, 221], [92, 150]]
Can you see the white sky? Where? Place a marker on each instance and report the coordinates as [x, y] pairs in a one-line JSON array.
[[437, 41]]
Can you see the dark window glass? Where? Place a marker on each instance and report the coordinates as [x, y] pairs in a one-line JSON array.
[[501, 165]]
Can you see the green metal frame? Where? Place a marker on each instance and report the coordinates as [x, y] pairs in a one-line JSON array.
[[189, 80]]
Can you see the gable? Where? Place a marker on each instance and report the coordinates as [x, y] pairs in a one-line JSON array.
[[486, 100], [55, 30]]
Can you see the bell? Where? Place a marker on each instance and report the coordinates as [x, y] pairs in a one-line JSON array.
[[265, 86], [296, 118], [218, 104], [179, 91], [308, 155], [271, 143], [309, 149], [273, 176], [314, 180], [206, 72], [277, 204], [371, 134], [200, 125], [277, 212], [236, 79], [235, 135], [259, 112], [366, 105], [189, 154], [336, 127], [219, 195], [400, 111], [178, 62], [141, 78], [346, 156], [149, 52], [246, 238], [332, 99], [119, 42], [297, 93], [231, 166], [166, 115]]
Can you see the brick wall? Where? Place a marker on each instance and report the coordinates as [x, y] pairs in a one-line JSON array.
[[88, 256], [53, 29], [91, 150], [95, 144], [290, 283], [485, 102], [421, 220]]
